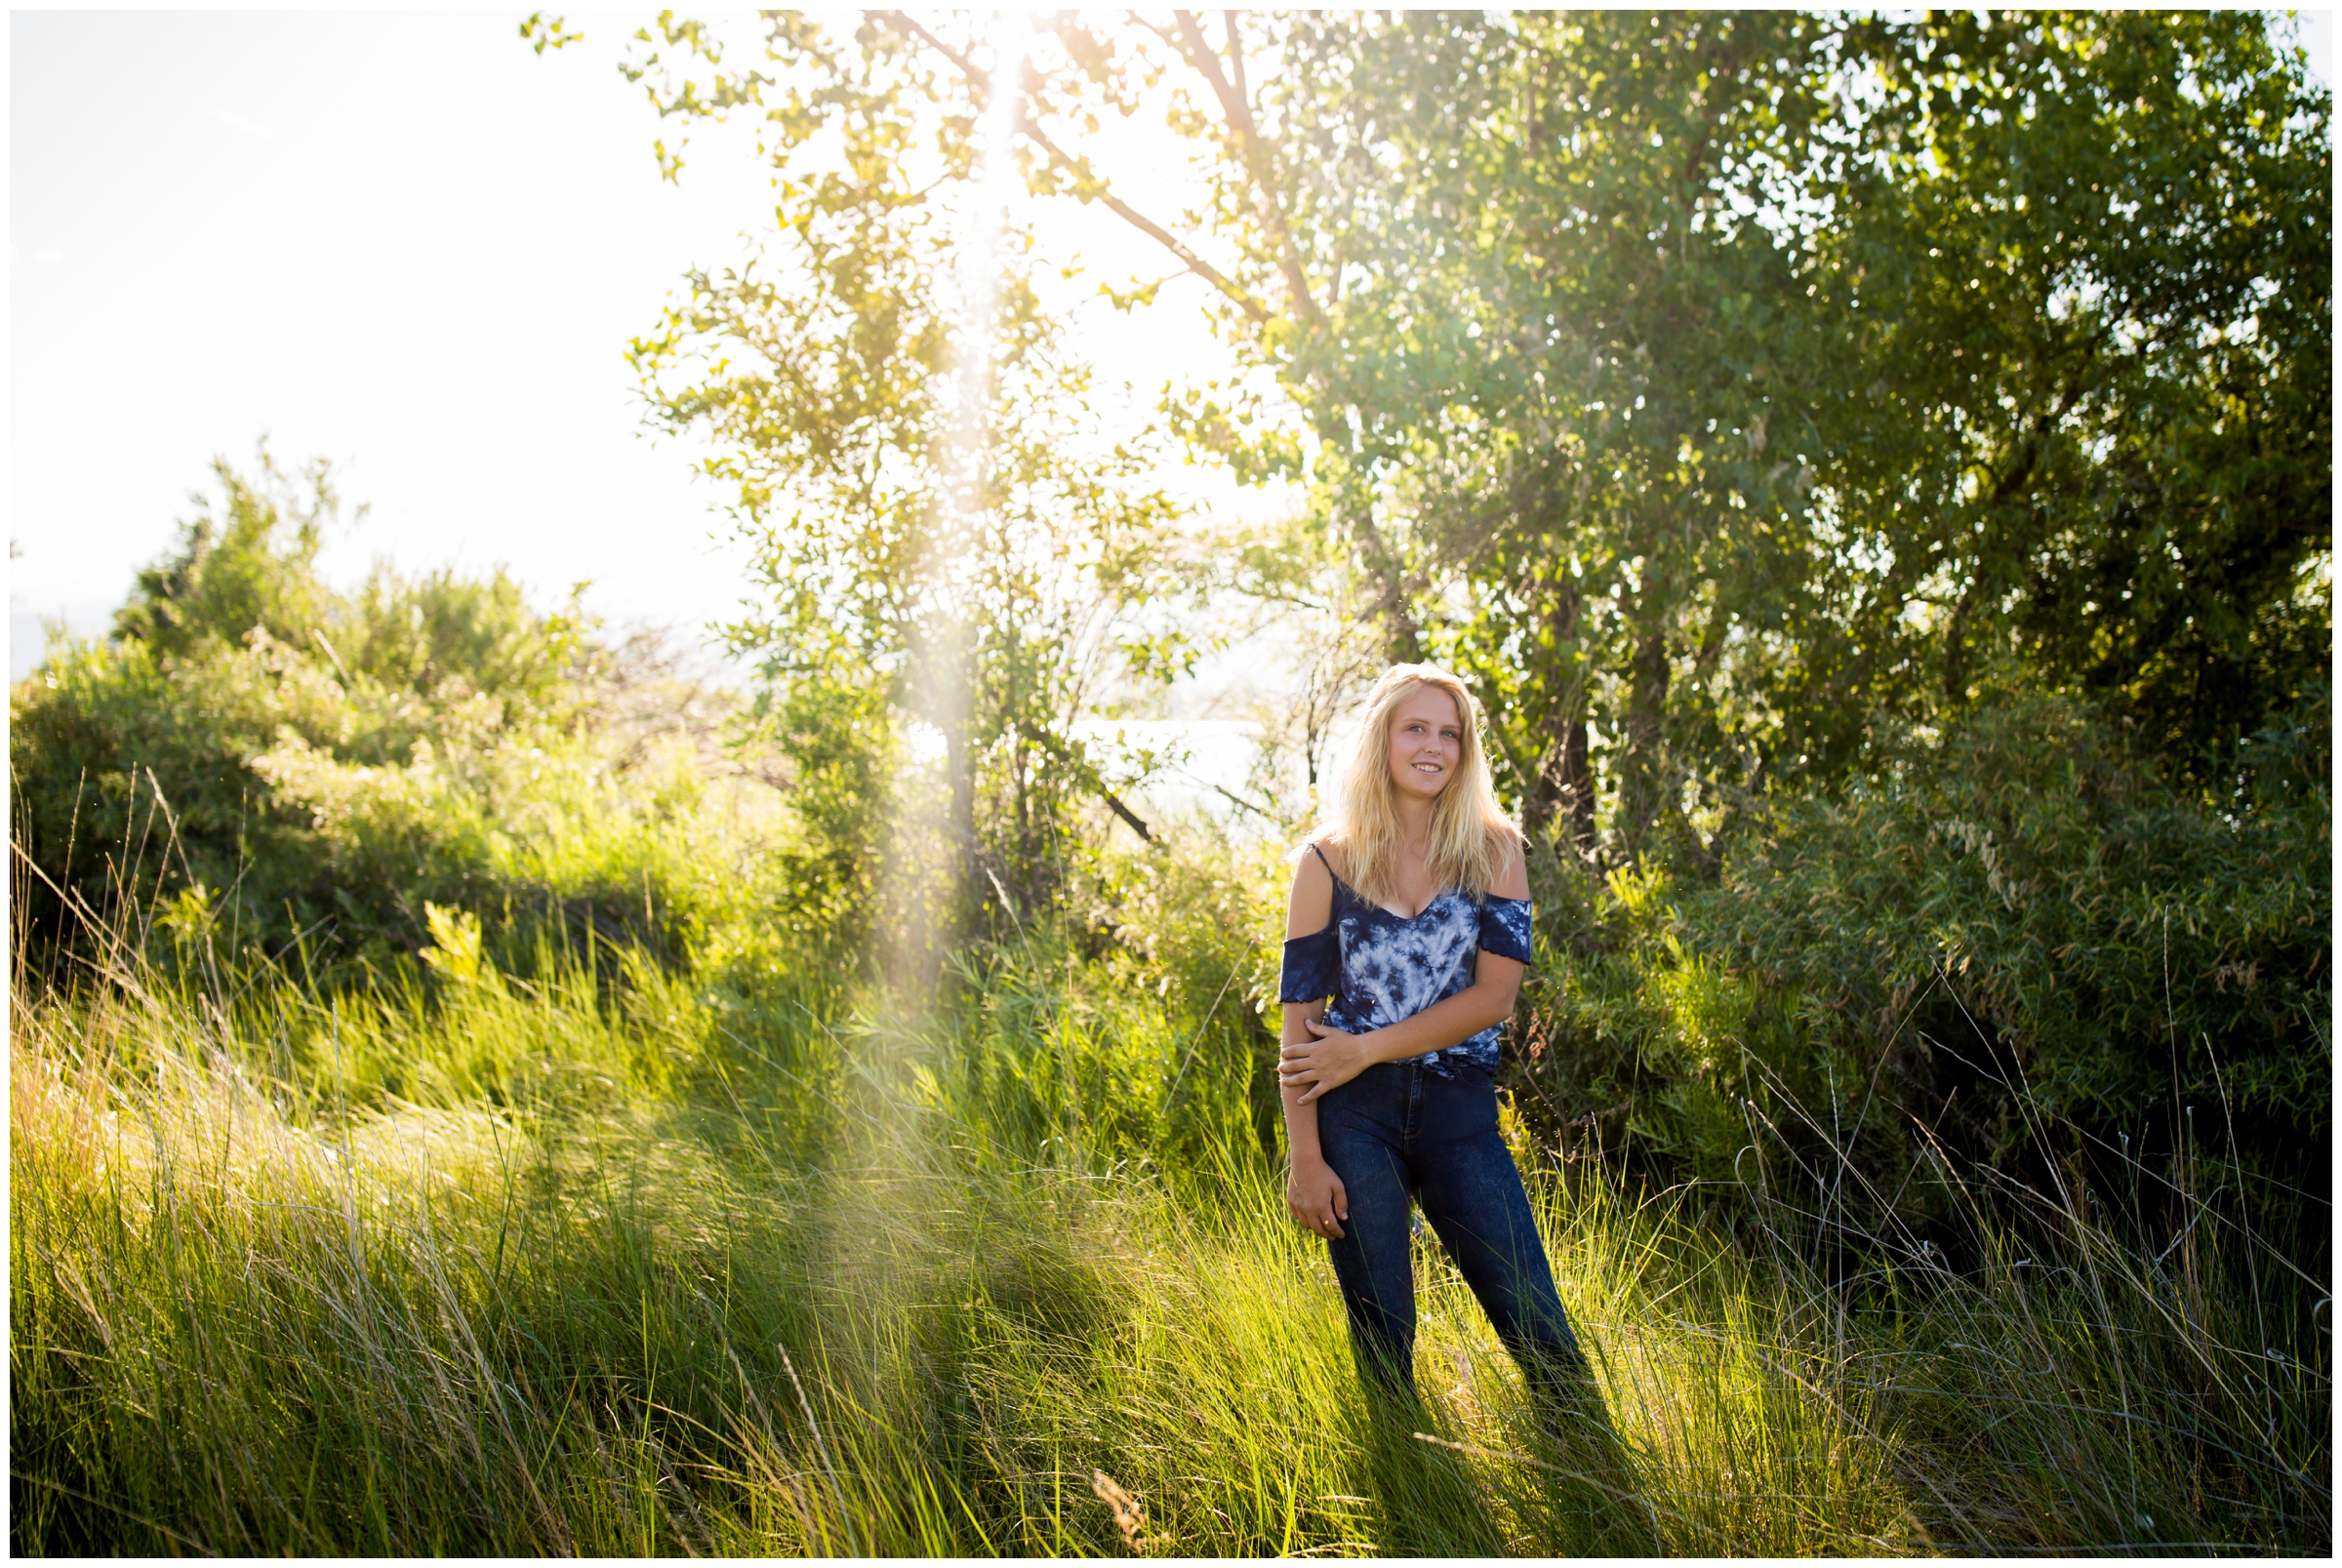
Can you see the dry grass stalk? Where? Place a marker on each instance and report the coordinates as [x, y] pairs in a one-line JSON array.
[[1130, 1515]]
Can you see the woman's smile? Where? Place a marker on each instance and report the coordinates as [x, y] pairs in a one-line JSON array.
[[1426, 740]]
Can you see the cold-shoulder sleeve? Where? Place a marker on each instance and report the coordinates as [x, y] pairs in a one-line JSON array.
[[1505, 928], [1312, 964]]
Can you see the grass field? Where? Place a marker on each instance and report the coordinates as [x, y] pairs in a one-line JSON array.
[[471, 1264]]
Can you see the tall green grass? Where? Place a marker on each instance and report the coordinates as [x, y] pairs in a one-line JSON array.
[[643, 1264]]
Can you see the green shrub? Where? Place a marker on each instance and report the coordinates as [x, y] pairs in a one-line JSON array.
[[138, 761], [255, 761], [2021, 942]]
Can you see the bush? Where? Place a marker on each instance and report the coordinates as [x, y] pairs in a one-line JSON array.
[[2021, 943], [256, 760]]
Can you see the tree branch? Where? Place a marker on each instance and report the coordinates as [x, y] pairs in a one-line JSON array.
[[1402, 632], [1091, 185], [1125, 812], [1089, 777], [1251, 154], [1087, 186]]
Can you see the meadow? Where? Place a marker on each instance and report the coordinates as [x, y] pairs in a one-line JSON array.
[[478, 1088], [597, 1255]]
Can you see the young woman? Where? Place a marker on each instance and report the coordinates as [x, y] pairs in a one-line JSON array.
[[1410, 910]]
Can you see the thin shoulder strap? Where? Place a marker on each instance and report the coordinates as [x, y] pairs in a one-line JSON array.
[[1319, 850]]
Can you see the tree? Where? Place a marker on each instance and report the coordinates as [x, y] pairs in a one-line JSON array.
[[1727, 393], [2088, 261], [1620, 303], [944, 533], [1561, 341]]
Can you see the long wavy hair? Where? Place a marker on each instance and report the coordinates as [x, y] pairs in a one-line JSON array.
[[1470, 835]]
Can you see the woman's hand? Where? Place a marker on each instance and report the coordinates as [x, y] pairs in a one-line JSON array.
[[1327, 1062], [1315, 1195]]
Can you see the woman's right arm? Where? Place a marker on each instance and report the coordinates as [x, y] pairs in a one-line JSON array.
[[1312, 1191]]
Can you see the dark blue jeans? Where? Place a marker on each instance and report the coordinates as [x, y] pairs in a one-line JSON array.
[[1398, 1132]]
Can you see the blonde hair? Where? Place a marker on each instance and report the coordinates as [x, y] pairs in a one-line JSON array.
[[1469, 837]]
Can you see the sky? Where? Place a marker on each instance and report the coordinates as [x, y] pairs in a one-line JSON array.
[[403, 242], [400, 241]]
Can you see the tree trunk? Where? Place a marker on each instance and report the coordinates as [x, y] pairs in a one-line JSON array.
[[1403, 637], [1640, 782], [1565, 782], [1955, 645], [1577, 783]]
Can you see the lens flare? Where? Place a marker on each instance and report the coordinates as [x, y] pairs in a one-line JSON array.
[[938, 848]]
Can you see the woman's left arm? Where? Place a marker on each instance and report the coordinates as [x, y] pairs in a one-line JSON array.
[[1335, 1057]]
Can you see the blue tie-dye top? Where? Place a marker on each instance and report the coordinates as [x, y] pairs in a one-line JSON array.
[[1381, 967]]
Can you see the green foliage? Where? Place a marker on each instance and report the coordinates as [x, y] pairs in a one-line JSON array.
[[439, 637], [2023, 938], [2086, 277], [255, 566], [1736, 396], [839, 737], [938, 523], [1793, 370], [1876, 468], [258, 761], [692, 1235], [1726, 390], [1140, 1040]]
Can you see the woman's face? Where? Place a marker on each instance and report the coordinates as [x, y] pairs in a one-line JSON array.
[[1427, 743]]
